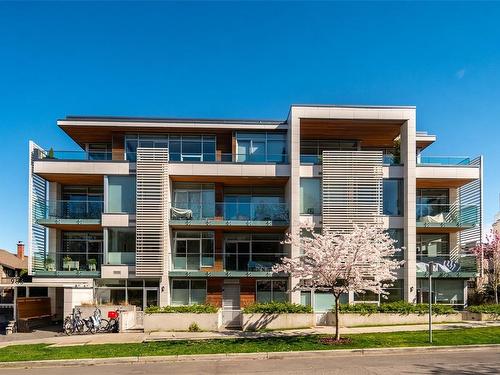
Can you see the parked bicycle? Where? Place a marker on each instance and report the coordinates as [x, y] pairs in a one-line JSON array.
[[75, 324]]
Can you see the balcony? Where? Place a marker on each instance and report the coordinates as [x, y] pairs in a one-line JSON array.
[[250, 158], [75, 155], [463, 264], [230, 214], [71, 265], [446, 160], [447, 216], [388, 159], [55, 213]]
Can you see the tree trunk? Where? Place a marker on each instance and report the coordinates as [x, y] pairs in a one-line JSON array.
[[337, 323]]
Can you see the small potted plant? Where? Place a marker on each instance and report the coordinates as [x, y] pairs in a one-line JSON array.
[[67, 262], [50, 154], [92, 263], [49, 264]]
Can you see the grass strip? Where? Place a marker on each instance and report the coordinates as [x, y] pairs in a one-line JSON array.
[[469, 336]]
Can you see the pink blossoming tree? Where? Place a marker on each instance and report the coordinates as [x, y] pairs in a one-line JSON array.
[[488, 258], [358, 261]]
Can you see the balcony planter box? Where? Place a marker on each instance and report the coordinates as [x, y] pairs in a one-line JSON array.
[[166, 322], [255, 321], [467, 315], [385, 319]]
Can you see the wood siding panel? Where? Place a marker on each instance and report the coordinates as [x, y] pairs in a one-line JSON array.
[[214, 291], [247, 291]]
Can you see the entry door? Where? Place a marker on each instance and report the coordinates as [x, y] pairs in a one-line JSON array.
[[231, 313], [151, 298]]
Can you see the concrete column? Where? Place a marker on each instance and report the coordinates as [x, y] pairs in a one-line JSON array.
[[408, 157], [293, 187]]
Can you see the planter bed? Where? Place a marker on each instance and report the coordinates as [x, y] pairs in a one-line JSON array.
[[257, 321], [467, 315], [384, 319], [154, 322]]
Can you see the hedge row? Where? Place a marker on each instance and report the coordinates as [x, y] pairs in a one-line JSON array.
[[193, 309], [400, 307], [486, 309], [277, 308]]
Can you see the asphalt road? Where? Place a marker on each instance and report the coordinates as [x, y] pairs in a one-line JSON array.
[[483, 361]]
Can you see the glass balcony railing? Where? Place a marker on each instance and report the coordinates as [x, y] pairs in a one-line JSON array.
[[388, 159], [76, 155], [443, 160], [68, 209], [248, 262], [231, 211], [453, 215], [72, 263], [464, 262], [255, 158]]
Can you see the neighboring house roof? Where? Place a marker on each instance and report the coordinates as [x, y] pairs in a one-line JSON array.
[[10, 260]]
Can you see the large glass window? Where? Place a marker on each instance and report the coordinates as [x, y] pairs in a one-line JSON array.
[[188, 292], [261, 147], [80, 251], [432, 202], [189, 148], [320, 300], [396, 292], [121, 194], [444, 291], [271, 290], [253, 203], [311, 151], [393, 197], [129, 291], [99, 151], [432, 245], [121, 246], [193, 250], [79, 202], [310, 196], [193, 201], [257, 252], [397, 234]]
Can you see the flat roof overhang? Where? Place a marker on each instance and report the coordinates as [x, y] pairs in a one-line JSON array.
[[101, 129], [370, 132]]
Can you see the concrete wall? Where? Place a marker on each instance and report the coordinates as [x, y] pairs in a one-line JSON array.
[[181, 322], [384, 319], [479, 316], [76, 297], [253, 322]]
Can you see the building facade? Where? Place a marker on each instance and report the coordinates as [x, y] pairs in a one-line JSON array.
[[157, 211]]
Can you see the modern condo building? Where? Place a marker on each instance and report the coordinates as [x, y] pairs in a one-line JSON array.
[[159, 211]]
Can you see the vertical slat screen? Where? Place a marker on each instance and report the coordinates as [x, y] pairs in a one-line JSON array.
[[351, 189], [151, 210], [37, 234]]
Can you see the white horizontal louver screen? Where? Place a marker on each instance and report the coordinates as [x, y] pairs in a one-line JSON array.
[[151, 210], [37, 234], [470, 197], [352, 189]]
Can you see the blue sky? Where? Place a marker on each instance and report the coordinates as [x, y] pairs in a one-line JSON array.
[[244, 60]]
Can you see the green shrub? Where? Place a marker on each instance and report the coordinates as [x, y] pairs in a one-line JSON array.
[[276, 308], [486, 309], [400, 307], [193, 327], [192, 309], [358, 308]]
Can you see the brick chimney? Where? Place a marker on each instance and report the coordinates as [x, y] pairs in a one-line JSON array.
[[20, 250]]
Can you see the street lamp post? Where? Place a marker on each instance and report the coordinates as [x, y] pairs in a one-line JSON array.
[[431, 269]]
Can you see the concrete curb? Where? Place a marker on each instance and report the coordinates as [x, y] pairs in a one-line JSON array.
[[253, 356]]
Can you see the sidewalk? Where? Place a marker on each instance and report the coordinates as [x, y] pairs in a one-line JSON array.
[[121, 338]]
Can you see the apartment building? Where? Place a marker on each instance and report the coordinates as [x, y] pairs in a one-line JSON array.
[[159, 211]]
